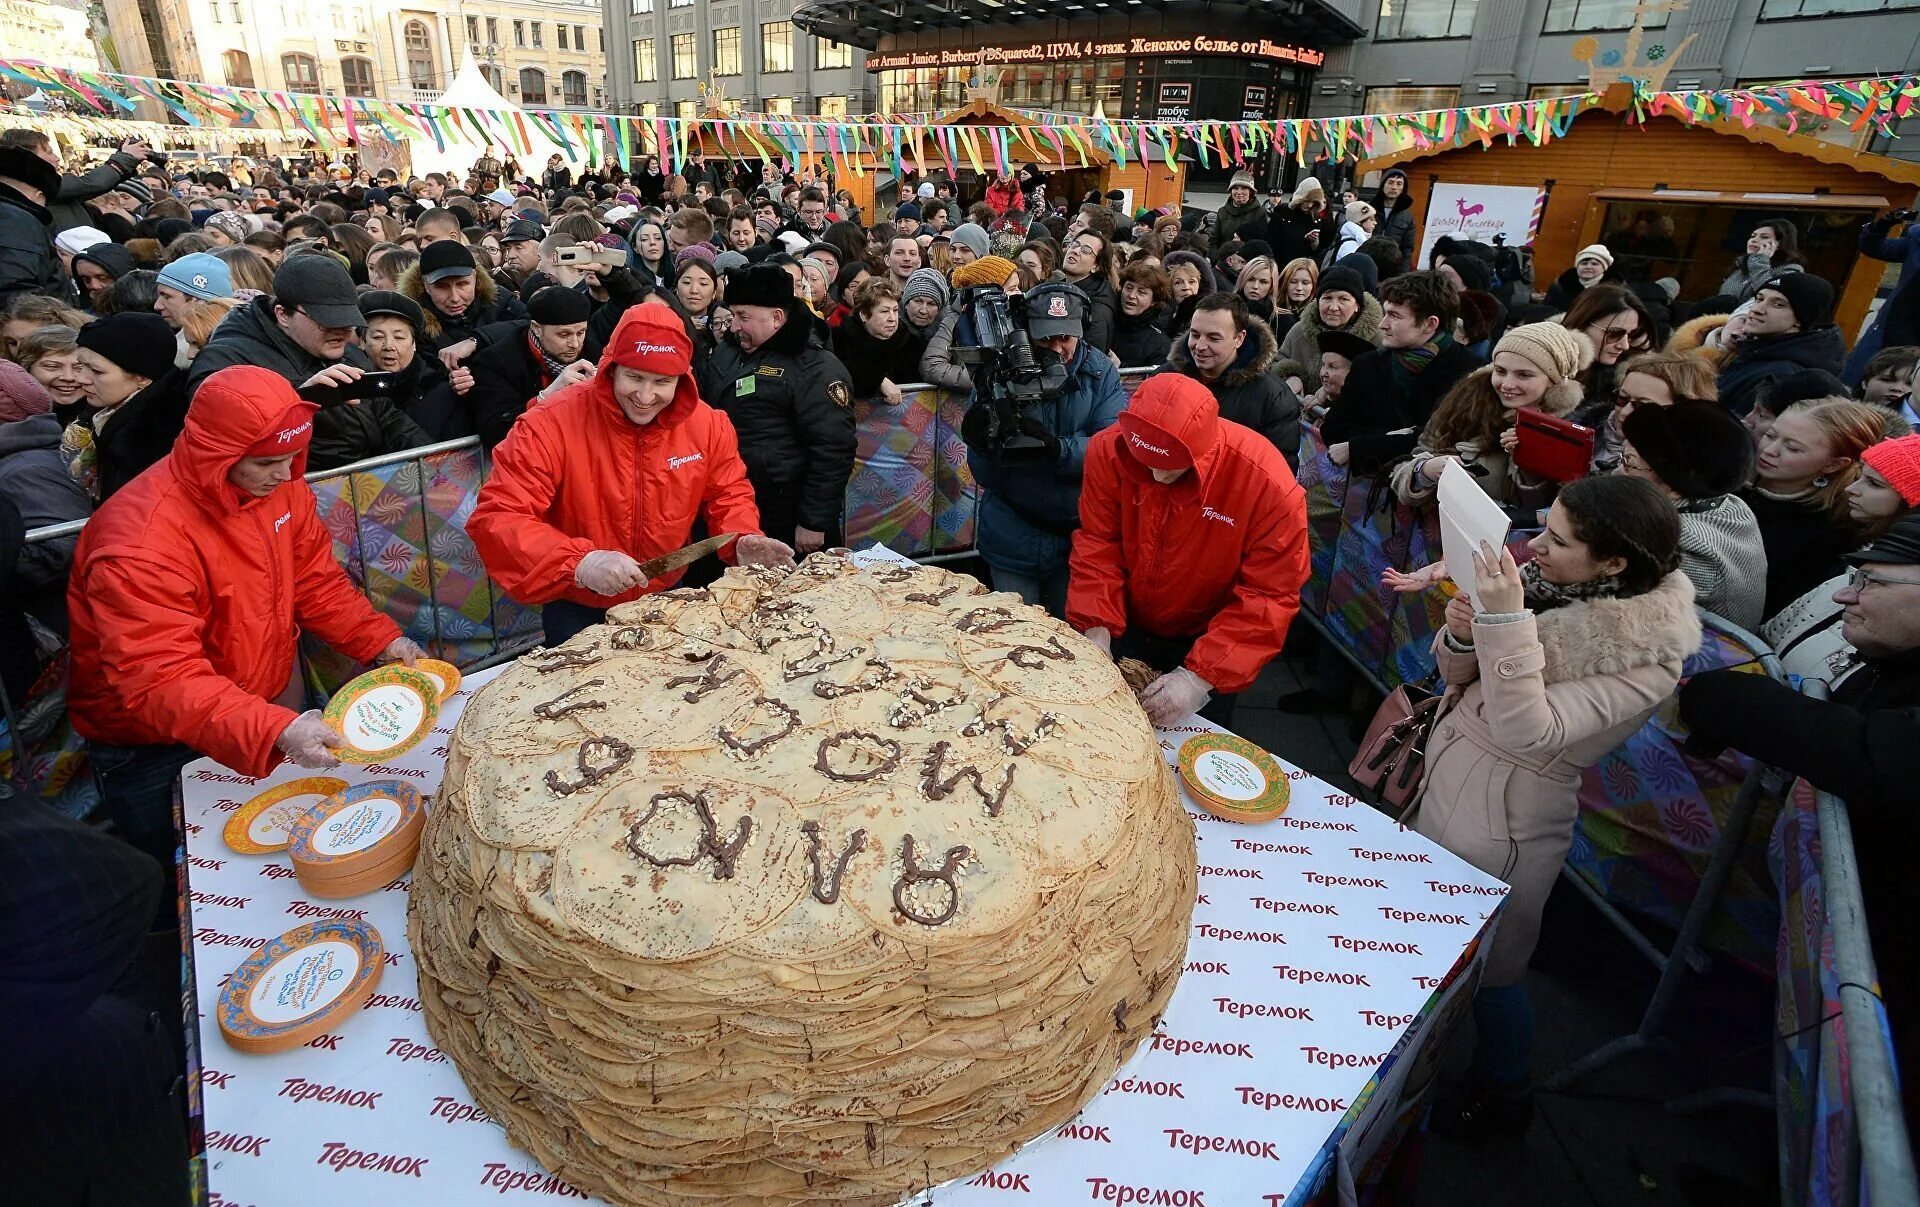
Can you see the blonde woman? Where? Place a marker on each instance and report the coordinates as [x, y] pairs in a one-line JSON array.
[[1298, 279]]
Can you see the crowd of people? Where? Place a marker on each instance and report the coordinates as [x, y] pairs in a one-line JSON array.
[[654, 356]]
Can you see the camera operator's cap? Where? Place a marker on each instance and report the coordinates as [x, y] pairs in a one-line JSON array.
[[385, 301], [320, 288], [1055, 308], [523, 230], [445, 258]]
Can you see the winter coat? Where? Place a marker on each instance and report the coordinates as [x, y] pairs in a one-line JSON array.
[[1504, 481], [507, 374], [1749, 273], [1379, 415], [34, 477], [28, 263], [1691, 336], [1723, 555], [1902, 249], [1219, 554], [1758, 359], [1141, 340], [348, 431], [1396, 218], [440, 331], [1027, 512], [1352, 235], [1566, 287], [1003, 195], [1230, 218], [69, 208], [1250, 393], [1300, 350], [1804, 545], [1539, 698], [870, 360], [953, 329], [575, 474], [142, 431], [1105, 305], [792, 405], [187, 597], [251, 336], [1287, 229]]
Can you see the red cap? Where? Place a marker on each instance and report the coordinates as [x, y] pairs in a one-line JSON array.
[[1151, 445], [650, 338], [291, 433]]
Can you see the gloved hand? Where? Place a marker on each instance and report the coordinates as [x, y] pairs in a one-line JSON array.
[[1029, 426], [608, 572], [402, 649], [1100, 637], [1178, 693], [309, 741], [756, 550]]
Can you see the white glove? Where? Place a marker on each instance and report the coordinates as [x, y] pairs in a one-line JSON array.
[[756, 550], [1100, 637], [402, 649], [1175, 695], [608, 572], [309, 741]]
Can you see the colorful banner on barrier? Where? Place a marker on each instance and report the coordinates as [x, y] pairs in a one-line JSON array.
[[894, 139]]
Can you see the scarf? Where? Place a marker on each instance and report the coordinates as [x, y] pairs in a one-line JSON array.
[[1414, 361], [1543, 596], [549, 367]]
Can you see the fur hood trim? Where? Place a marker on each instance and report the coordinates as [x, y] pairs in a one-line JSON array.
[[1256, 356], [1595, 637], [1691, 336], [484, 293], [1366, 324]]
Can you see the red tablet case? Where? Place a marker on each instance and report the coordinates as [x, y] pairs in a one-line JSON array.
[[1550, 447]]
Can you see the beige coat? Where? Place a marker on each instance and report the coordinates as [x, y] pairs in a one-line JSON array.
[[1539, 700]]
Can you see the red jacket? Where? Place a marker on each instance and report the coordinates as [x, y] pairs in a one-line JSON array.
[[575, 475], [1003, 195], [187, 597], [1220, 553]]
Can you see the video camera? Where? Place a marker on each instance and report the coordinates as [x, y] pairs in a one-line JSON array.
[[1008, 378]]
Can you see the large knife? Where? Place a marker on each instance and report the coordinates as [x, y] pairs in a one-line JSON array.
[[667, 563]]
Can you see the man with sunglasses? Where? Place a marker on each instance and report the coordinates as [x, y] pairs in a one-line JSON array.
[[303, 332], [1859, 746]]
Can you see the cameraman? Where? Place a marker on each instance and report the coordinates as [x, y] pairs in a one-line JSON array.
[[1030, 505], [1896, 322]]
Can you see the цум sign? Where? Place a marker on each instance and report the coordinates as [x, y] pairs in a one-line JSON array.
[[1478, 212]]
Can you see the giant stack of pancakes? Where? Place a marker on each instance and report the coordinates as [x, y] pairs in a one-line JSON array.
[[822, 885]]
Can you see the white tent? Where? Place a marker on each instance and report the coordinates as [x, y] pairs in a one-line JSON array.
[[470, 90]]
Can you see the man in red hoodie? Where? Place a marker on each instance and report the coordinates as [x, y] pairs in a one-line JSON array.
[[1191, 549], [612, 471], [188, 591]]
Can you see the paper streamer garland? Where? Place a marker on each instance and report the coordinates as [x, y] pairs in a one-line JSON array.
[[897, 139]]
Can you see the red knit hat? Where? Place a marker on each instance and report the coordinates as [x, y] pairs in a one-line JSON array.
[[1152, 445], [1898, 461], [290, 433], [650, 338]]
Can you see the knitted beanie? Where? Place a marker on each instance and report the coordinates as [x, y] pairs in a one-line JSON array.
[[1810, 297], [21, 395], [704, 252], [1898, 461], [138, 341], [987, 270], [971, 235], [1595, 251], [1558, 352], [926, 283]]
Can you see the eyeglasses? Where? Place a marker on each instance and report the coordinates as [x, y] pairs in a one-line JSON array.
[[1623, 399], [1863, 578], [1620, 335]]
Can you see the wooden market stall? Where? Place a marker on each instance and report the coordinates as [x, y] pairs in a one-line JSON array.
[[872, 183], [1682, 196]]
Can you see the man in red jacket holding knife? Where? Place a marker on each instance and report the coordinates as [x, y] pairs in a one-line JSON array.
[[1191, 549], [610, 472]]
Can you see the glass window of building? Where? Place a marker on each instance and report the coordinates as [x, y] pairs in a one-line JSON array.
[[493, 31], [641, 7], [533, 86], [686, 63], [1545, 92], [303, 74], [238, 67], [650, 109], [520, 33], [473, 30], [1774, 10], [776, 46], [573, 89], [419, 45], [831, 54], [1564, 15], [831, 106], [560, 35], [1410, 100], [679, 3], [782, 105], [496, 79], [1409, 19], [539, 37], [356, 76], [726, 50], [646, 62]]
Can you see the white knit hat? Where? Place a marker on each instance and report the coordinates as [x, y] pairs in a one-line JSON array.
[[1595, 251], [1559, 353]]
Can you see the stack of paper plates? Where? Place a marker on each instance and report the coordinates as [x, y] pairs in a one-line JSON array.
[[301, 985], [259, 827], [359, 840]]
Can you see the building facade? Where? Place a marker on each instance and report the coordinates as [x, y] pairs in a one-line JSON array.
[[541, 54], [55, 34], [663, 53]]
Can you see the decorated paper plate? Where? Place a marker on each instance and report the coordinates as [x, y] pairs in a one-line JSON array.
[[259, 827], [384, 713], [1230, 777], [300, 985], [445, 675], [356, 829]]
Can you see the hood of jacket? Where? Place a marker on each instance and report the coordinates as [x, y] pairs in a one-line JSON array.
[[1365, 323], [231, 412], [1595, 637], [634, 325], [112, 258], [1191, 417], [485, 293], [24, 435], [1257, 354], [1691, 336]]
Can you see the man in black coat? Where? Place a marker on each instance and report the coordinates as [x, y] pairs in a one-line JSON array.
[[1232, 353], [28, 262], [304, 331], [540, 356], [791, 402], [1858, 746], [457, 301], [1393, 390]]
